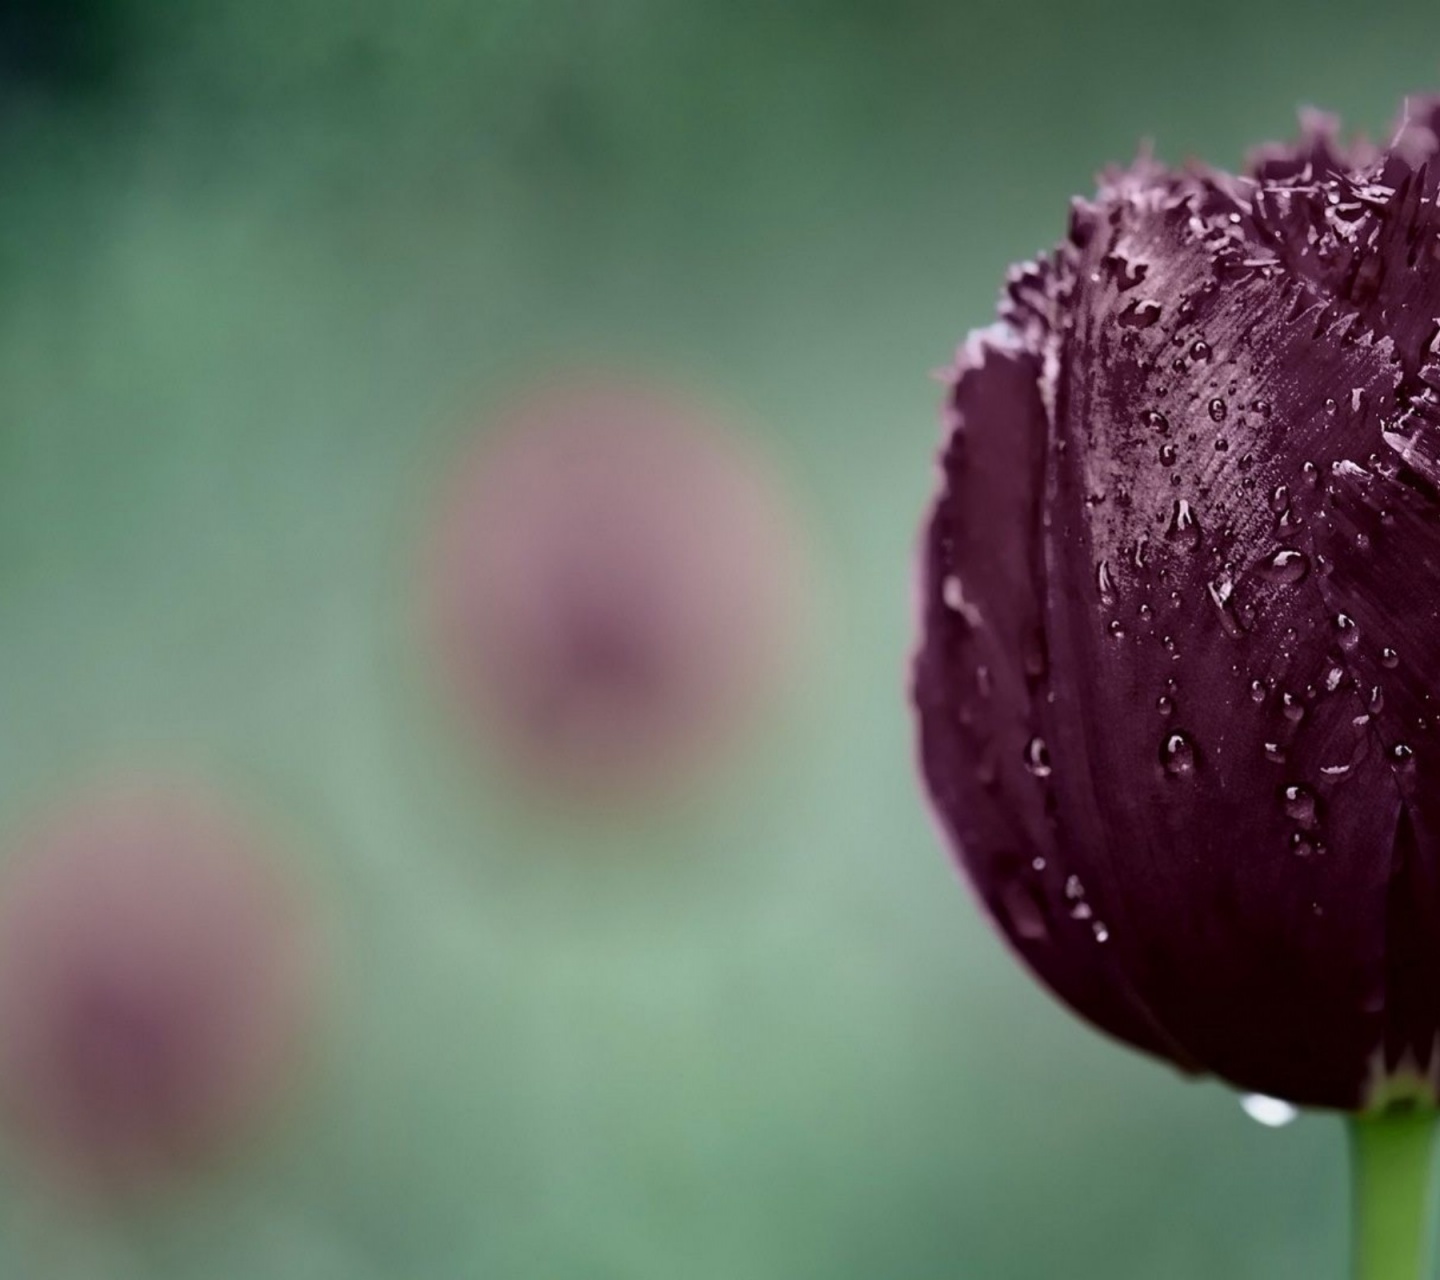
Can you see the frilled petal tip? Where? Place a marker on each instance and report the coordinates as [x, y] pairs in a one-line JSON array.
[[1180, 615]]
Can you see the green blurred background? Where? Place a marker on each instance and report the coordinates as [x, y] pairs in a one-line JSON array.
[[259, 261]]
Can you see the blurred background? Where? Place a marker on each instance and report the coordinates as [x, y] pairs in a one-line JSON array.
[[266, 271]]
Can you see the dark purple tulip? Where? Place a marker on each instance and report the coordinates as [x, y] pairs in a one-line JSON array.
[[156, 982], [1180, 646]]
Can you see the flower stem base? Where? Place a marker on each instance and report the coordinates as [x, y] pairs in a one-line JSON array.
[[1392, 1157]]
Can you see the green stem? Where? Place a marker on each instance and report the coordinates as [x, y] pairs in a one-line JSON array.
[[1392, 1161]]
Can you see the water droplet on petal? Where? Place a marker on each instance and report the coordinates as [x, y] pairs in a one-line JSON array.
[[1300, 805], [1155, 420], [1200, 349], [1349, 633], [1037, 758], [1286, 566], [1027, 917], [1167, 454], [1280, 499], [1177, 755], [1183, 524], [1164, 705], [1217, 410], [1389, 658], [1104, 583], [1273, 1113], [1274, 753], [1330, 405], [1139, 313]]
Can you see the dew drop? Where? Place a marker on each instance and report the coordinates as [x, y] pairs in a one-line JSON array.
[[1104, 584], [1349, 633], [1165, 706], [1102, 934], [1177, 755], [1200, 349], [1026, 916], [1274, 753], [1273, 1113], [1183, 524], [1167, 454], [1300, 804], [1292, 708], [1217, 410], [1389, 658], [1037, 758], [1287, 566], [952, 591], [1033, 656], [1138, 314], [1311, 473], [1280, 499], [1257, 691], [1330, 405], [1155, 420]]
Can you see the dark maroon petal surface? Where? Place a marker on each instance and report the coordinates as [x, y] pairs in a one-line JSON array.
[[1188, 540]]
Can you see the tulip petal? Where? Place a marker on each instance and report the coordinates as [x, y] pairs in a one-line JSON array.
[[976, 672], [1383, 537], [1191, 535]]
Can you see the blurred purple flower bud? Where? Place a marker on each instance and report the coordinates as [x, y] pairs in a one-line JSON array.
[[1176, 685], [156, 981], [615, 588]]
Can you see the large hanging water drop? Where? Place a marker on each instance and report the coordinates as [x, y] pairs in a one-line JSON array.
[[1273, 1113]]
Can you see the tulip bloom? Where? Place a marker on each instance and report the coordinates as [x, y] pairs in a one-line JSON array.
[[613, 586], [157, 980], [1176, 685]]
